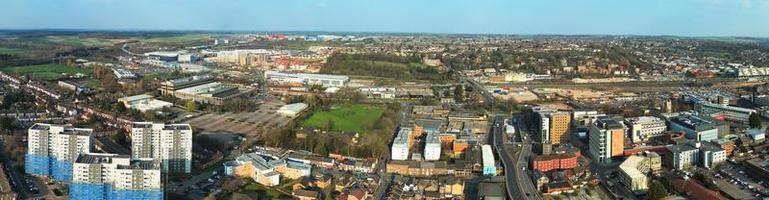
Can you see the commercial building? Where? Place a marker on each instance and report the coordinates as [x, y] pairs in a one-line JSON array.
[[681, 156], [169, 87], [144, 103], [489, 166], [401, 145], [641, 129], [51, 149], [697, 127], [325, 80], [606, 139], [213, 93], [731, 113], [432, 146], [171, 143], [756, 134], [111, 176], [244, 57]]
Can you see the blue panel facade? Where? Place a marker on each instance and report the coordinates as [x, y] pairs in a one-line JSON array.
[[85, 191], [136, 195], [37, 165], [62, 170]]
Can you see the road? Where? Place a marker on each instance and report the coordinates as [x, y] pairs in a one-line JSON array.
[[385, 178], [518, 183]]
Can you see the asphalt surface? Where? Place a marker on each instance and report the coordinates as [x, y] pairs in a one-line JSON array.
[[518, 183]]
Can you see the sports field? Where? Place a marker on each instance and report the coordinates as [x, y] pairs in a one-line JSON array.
[[47, 72], [347, 118]]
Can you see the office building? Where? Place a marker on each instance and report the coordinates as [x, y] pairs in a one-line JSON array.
[[51, 149], [432, 146], [171, 143], [169, 87], [111, 176], [213, 93], [325, 80], [606, 139], [489, 166], [634, 170], [401, 145], [641, 129], [697, 127], [681, 156], [725, 112], [711, 154], [630, 175]]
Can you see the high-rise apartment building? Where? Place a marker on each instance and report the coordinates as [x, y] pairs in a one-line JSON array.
[[171, 143], [554, 126], [112, 176], [51, 149]]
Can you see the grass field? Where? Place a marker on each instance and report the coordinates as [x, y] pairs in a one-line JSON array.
[[11, 51], [348, 118], [47, 72], [79, 42]]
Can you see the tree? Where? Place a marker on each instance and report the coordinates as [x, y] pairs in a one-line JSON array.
[[459, 93], [657, 191], [191, 106], [119, 107], [120, 137], [6, 123], [755, 120]]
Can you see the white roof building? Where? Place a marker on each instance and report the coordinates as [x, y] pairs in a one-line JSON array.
[[144, 103], [292, 110]]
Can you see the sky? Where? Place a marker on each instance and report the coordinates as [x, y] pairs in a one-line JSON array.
[[568, 17]]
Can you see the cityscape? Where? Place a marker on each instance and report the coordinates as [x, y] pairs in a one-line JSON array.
[[169, 111]]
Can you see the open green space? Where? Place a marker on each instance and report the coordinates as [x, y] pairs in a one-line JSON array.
[[347, 118], [47, 72], [11, 51], [269, 192], [79, 41]]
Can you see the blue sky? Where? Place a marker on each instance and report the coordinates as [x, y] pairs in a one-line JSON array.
[[640, 17]]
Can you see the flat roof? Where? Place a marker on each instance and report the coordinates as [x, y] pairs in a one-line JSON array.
[[630, 166], [135, 97]]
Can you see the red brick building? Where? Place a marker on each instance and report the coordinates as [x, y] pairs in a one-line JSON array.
[[551, 162]]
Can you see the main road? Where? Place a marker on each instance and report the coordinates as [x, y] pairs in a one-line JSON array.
[[518, 183]]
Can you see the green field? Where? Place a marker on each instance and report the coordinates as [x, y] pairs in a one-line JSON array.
[[79, 41], [47, 72], [348, 118], [11, 51]]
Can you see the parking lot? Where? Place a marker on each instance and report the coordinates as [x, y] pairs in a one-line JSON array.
[[738, 177], [245, 123]]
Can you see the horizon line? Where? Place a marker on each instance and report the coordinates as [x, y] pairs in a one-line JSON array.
[[364, 32]]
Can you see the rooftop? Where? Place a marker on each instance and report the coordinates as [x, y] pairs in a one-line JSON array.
[[630, 166], [694, 121]]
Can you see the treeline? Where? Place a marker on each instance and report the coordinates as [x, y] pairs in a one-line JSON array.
[[381, 65]]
